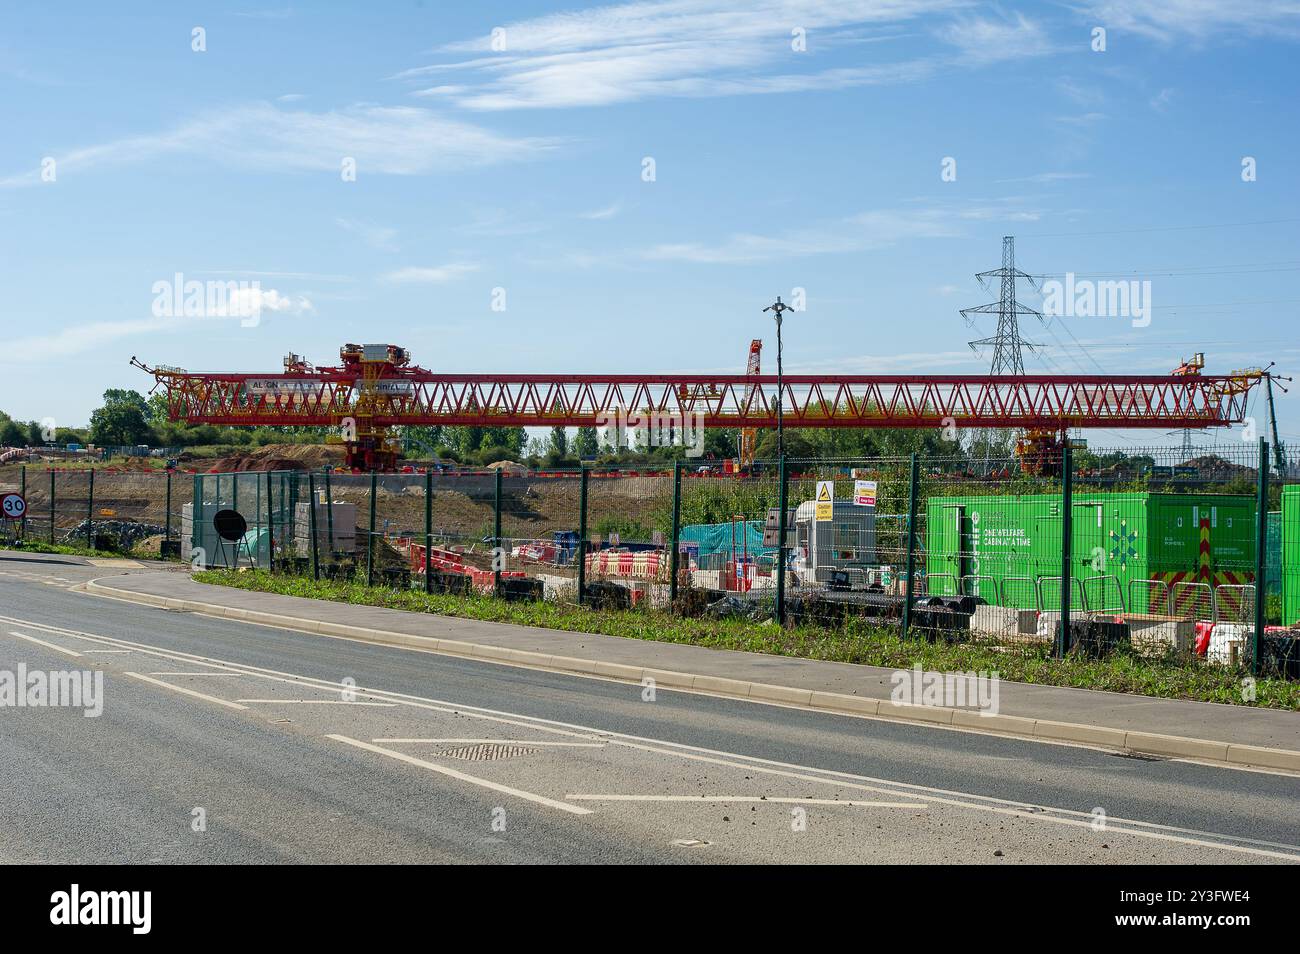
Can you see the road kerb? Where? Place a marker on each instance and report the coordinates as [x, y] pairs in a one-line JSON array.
[[1260, 756], [1045, 730], [1151, 742], [1075, 732], [973, 719], [785, 694]]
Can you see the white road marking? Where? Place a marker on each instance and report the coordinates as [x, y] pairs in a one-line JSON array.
[[109, 651], [317, 702], [214, 673], [461, 776], [41, 642], [571, 745], [743, 798], [186, 692], [965, 800]]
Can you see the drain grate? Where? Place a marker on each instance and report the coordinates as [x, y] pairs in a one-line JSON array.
[[486, 752]]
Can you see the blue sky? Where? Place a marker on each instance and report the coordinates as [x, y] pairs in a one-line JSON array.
[[522, 169]]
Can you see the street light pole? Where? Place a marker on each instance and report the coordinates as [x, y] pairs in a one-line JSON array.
[[778, 308]]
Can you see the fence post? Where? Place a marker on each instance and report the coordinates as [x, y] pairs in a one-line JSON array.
[[582, 537], [370, 537], [270, 520], [1067, 544], [329, 512], [90, 512], [674, 557], [496, 539], [908, 595], [167, 517], [428, 530], [51, 505], [1261, 548], [291, 518], [22, 524], [311, 521], [196, 521], [782, 502]]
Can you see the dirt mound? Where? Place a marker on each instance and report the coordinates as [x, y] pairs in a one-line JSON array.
[[280, 457]]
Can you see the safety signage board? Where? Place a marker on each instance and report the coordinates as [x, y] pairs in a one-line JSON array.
[[864, 493], [825, 499], [13, 506]]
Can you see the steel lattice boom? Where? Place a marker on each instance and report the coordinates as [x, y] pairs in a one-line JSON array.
[[375, 393]]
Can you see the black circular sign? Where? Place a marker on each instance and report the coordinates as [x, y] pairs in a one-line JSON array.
[[230, 525]]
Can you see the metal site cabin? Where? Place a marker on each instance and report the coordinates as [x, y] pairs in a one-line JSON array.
[[999, 547]]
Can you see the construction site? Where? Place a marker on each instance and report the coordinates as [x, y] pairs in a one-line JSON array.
[[1190, 555]]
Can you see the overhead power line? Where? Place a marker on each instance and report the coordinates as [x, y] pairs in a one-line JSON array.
[[1164, 228], [1008, 346]]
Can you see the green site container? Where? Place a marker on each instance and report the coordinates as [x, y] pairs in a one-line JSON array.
[[1291, 554], [1000, 547]]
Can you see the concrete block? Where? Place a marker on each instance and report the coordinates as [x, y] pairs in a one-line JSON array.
[[1003, 620], [1158, 634]]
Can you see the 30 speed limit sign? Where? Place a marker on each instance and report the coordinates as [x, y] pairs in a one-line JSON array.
[[14, 506]]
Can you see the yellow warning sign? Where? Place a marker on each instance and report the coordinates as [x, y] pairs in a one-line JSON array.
[[825, 500]]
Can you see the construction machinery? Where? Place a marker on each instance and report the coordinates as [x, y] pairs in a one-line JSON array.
[[748, 438], [375, 389]]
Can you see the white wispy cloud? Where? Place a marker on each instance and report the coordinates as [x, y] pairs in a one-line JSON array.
[[657, 48], [1048, 177], [387, 140], [1199, 20], [435, 275], [255, 301], [857, 233], [79, 339], [378, 237], [249, 273], [608, 212], [96, 336], [986, 40]]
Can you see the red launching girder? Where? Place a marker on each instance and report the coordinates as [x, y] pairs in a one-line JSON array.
[[413, 396]]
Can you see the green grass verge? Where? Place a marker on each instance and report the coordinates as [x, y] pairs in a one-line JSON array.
[[855, 643], [32, 546]]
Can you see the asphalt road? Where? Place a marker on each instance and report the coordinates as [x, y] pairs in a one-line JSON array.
[[290, 747]]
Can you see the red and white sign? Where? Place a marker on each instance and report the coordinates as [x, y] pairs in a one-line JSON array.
[[13, 506], [864, 493]]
